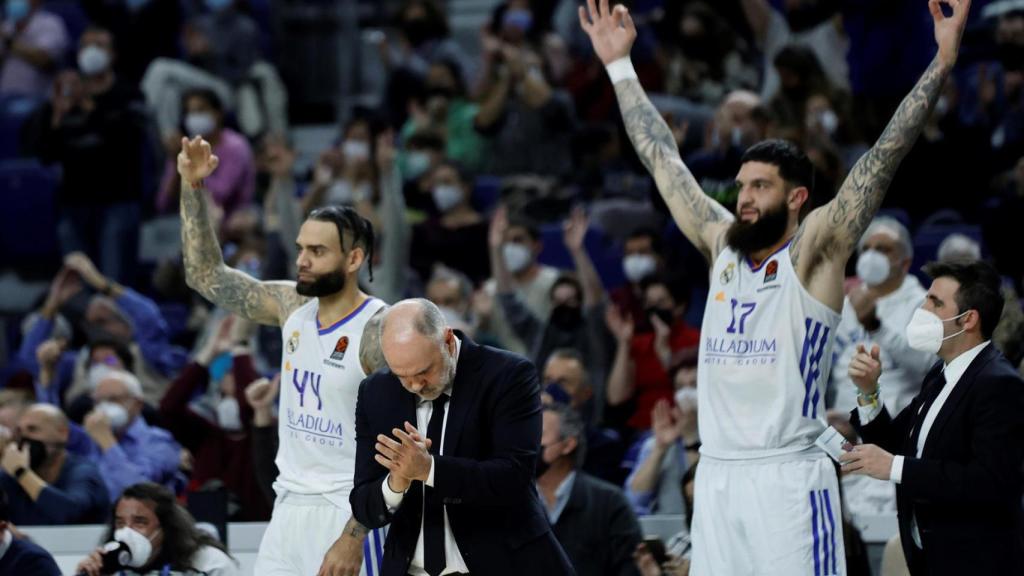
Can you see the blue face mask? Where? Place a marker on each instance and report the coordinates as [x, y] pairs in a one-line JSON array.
[[17, 10], [518, 19], [219, 366], [557, 393], [217, 5]]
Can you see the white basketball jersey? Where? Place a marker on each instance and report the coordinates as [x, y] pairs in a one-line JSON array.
[[320, 377], [765, 355]]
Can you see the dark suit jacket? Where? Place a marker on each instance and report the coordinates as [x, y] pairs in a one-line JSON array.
[[485, 476], [966, 488], [24, 558], [598, 529]]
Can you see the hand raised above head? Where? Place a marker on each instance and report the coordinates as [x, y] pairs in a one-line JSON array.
[[196, 160]]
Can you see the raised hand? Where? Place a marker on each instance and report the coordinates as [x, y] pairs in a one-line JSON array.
[[196, 160], [261, 393], [574, 229], [662, 424], [866, 368], [65, 285], [619, 324], [499, 225], [949, 29], [385, 152], [79, 263], [611, 31]]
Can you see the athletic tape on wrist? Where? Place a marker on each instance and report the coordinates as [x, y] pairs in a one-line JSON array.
[[621, 69]]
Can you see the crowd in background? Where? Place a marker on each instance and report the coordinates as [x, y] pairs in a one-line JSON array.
[[501, 186]]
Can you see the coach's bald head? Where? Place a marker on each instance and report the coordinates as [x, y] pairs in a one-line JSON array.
[[419, 347]]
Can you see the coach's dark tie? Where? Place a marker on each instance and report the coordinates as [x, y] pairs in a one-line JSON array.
[[928, 397], [433, 509]]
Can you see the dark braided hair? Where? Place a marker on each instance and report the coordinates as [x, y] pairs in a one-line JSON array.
[[348, 220]]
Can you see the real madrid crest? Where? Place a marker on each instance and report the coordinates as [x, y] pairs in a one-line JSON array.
[[293, 342], [729, 273]]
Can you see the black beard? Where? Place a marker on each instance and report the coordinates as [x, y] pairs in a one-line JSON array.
[[749, 237], [330, 283]]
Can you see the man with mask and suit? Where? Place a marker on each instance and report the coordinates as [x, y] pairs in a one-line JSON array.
[[447, 442], [956, 452], [44, 483]]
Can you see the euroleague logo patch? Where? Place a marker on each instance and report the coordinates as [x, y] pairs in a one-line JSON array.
[[771, 271], [340, 348]]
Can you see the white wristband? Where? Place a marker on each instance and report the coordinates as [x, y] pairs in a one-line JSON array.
[[621, 69]]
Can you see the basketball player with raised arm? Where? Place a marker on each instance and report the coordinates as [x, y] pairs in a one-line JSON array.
[[312, 531], [766, 498]]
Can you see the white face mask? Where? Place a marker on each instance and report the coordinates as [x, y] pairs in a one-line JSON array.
[[637, 266], [355, 150], [925, 331], [141, 548], [340, 192], [92, 60], [416, 164], [686, 398], [829, 121], [200, 123], [873, 267], [116, 414], [446, 197], [517, 257], [229, 416]]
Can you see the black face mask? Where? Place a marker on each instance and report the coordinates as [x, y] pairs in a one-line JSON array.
[[663, 314], [417, 31], [36, 452], [749, 237], [325, 285], [566, 317]]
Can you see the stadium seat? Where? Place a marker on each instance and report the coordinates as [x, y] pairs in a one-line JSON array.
[[606, 254], [14, 111]]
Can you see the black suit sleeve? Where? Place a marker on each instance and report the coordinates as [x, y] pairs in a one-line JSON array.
[[992, 474], [885, 432], [367, 499], [503, 478]]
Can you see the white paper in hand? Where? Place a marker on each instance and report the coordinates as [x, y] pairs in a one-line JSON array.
[[831, 441]]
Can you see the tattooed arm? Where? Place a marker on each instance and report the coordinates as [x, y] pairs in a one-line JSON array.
[[701, 219], [829, 235], [205, 270]]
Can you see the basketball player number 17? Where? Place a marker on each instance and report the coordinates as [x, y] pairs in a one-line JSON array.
[[746, 309]]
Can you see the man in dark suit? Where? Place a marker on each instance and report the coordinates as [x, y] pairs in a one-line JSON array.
[[18, 556], [592, 518], [447, 443], [956, 453]]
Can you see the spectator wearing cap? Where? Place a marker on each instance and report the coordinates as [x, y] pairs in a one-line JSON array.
[[126, 449], [45, 484]]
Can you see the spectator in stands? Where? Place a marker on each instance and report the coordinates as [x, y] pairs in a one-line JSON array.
[[152, 28], [661, 457], [642, 256], [567, 380], [423, 152], [514, 247], [44, 483], [162, 537], [20, 556], [457, 236], [577, 307], [124, 447], [444, 107], [233, 185], [224, 41], [800, 77], [878, 311], [218, 437], [639, 374], [590, 517], [527, 122], [345, 174], [32, 47], [125, 331], [452, 292], [94, 127]]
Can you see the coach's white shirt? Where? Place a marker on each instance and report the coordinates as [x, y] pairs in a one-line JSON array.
[[454, 563], [953, 372]]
